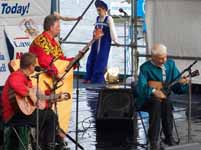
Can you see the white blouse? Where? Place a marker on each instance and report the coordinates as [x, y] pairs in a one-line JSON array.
[[113, 33]]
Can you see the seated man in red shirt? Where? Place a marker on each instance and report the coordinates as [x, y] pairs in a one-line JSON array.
[[18, 83], [46, 48]]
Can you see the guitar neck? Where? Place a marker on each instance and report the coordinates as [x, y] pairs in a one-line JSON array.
[[49, 97], [193, 74], [79, 55]]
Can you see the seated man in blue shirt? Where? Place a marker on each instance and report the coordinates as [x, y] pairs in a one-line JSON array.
[[152, 99]]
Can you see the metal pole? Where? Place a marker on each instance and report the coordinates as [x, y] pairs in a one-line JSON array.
[[77, 107], [37, 111], [37, 115], [125, 49], [121, 45], [58, 6], [56, 113], [58, 10], [77, 22], [136, 43], [132, 49], [189, 107], [175, 57]]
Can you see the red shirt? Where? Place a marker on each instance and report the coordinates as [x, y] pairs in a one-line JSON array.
[[20, 83], [47, 48]]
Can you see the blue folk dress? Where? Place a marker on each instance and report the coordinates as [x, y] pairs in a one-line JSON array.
[[98, 57]]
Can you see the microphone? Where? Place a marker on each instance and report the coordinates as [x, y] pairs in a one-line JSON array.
[[40, 69], [122, 11]]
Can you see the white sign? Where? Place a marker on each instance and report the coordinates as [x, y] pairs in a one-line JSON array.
[[19, 40], [4, 58], [20, 21]]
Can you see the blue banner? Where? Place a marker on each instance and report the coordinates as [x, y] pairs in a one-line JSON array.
[[140, 8]]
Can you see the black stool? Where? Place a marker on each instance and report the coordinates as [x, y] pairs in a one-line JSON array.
[[21, 131]]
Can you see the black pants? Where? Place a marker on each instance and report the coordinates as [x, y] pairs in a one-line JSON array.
[[48, 122], [159, 111]]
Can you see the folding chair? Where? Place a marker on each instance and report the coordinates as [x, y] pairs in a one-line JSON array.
[[161, 131], [145, 145], [133, 86]]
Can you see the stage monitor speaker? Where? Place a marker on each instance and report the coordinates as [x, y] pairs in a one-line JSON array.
[[115, 104], [116, 112], [190, 146]]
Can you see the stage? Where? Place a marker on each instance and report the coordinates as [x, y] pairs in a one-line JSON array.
[[91, 139], [122, 138]]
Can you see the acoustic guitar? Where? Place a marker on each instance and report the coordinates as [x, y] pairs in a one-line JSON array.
[[29, 103]]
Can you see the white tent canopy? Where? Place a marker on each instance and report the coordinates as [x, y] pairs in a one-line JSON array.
[[176, 24]]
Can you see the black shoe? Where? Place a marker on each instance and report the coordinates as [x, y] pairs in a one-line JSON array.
[[65, 148], [154, 146], [170, 141], [62, 146]]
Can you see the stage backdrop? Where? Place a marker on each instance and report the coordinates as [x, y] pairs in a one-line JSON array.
[[176, 24], [20, 22]]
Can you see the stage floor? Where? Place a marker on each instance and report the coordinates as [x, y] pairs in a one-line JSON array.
[[90, 139]]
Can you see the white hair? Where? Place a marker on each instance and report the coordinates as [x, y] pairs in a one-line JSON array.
[[158, 49]]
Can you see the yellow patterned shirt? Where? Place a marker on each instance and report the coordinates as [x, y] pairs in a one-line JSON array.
[[49, 45]]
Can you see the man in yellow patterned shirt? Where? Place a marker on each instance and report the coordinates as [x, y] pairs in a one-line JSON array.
[[45, 47]]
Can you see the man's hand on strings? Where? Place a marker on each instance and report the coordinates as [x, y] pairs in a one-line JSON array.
[[184, 80], [65, 96]]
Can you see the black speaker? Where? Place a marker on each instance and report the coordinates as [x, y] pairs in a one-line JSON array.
[[115, 104], [116, 112]]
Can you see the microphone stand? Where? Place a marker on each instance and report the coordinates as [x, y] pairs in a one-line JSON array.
[[37, 110], [125, 14], [68, 68], [55, 103], [36, 76], [77, 104], [125, 50], [55, 86], [189, 69], [56, 114]]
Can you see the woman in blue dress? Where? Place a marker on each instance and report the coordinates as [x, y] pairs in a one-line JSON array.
[[98, 57]]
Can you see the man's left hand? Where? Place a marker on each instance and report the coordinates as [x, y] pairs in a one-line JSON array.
[[184, 80]]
